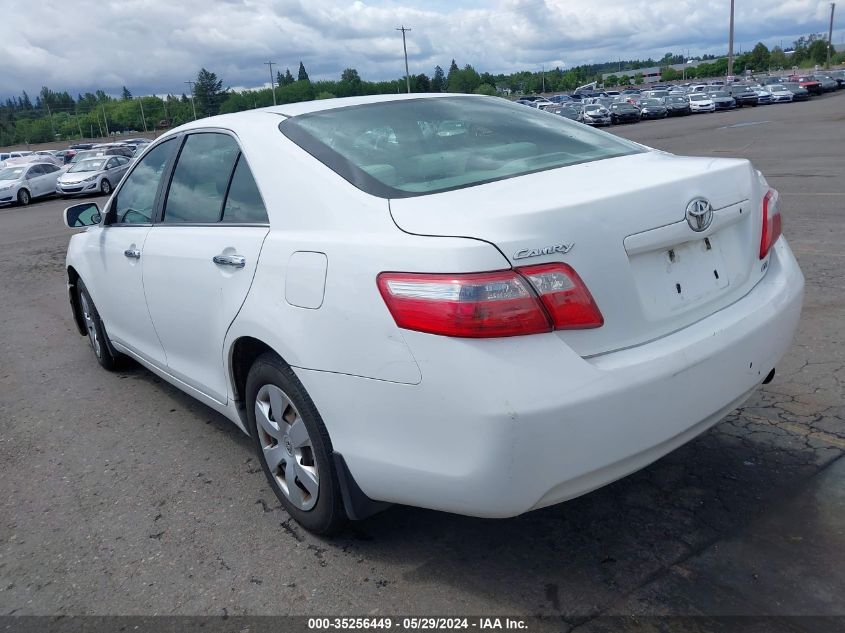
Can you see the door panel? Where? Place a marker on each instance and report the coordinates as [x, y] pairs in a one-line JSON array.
[[118, 290], [193, 300]]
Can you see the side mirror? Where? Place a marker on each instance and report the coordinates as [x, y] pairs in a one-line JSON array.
[[81, 215]]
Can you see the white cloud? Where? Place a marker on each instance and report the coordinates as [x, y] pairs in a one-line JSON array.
[[153, 46]]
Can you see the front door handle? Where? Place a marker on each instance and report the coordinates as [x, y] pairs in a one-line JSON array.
[[133, 253], [236, 261]]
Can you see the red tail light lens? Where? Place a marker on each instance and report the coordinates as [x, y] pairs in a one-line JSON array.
[[473, 305], [529, 300], [771, 222], [564, 296]]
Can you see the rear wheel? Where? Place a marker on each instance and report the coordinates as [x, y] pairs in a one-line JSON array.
[[24, 198], [293, 445]]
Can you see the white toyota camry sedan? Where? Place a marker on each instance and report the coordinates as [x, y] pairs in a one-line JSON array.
[[450, 301]]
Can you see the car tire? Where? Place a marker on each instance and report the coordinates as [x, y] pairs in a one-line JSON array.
[[293, 446], [24, 197], [105, 187], [108, 358]]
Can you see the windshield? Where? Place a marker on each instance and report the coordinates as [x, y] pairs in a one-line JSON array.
[[11, 173], [719, 94], [675, 100], [89, 164], [592, 108], [698, 97], [80, 156], [653, 102], [420, 146]]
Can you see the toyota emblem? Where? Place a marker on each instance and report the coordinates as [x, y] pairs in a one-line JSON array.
[[699, 214]]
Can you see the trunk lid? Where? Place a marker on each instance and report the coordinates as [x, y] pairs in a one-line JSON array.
[[621, 224]]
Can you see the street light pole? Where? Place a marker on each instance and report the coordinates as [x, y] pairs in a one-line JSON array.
[[193, 105], [731, 43], [405, 48], [272, 80], [830, 34]]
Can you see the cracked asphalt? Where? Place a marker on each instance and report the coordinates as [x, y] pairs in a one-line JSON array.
[[120, 495]]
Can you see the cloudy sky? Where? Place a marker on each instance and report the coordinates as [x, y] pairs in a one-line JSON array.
[[153, 46]]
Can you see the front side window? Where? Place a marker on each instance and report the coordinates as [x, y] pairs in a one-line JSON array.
[[135, 201], [415, 147], [200, 179]]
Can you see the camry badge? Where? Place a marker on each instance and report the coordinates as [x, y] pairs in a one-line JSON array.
[[546, 250]]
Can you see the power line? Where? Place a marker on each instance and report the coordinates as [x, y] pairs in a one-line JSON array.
[[405, 48], [272, 80]]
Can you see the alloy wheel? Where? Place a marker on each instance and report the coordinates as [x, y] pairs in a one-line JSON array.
[[286, 447], [90, 325]]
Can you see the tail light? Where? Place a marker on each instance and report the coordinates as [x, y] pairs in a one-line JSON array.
[[771, 222], [527, 300]]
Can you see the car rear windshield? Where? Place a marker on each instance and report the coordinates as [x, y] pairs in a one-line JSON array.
[[414, 147]]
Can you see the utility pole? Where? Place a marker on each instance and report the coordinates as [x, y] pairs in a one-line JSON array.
[[731, 43], [143, 118], [105, 121], [544, 78], [830, 34], [272, 80], [193, 105], [52, 127], [405, 48]]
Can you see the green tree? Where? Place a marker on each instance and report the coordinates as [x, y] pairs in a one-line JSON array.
[[612, 80], [624, 80], [453, 72], [286, 79], [669, 74], [759, 58], [325, 95], [208, 92], [438, 82], [777, 58], [303, 76], [638, 78], [817, 51], [126, 95], [485, 89], [351, 75]]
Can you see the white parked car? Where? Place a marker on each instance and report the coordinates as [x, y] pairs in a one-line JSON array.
[[700, 102], [780, 93], [92, 175], [398, 322], [22, 182]]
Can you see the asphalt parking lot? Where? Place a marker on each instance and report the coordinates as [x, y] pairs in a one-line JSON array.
[[120, 495]]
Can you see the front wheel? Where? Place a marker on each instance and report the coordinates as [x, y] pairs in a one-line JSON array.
[[293, 445], [24, 198], [107, 358], [105, 187]]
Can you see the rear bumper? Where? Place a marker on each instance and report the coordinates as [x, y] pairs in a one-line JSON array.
[[503, 426]]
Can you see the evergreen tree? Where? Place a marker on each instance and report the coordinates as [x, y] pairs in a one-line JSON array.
[[208, 92], [126, 95], [438, 82], [303, 76]]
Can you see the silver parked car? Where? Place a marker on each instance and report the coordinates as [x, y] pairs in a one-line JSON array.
[[22, 182], [93, 175]]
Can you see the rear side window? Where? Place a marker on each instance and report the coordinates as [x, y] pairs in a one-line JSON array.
[[243, 202], [414, 147], [200, 179]]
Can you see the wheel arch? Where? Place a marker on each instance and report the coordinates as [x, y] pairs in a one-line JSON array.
[[73, 295], [242, 354]]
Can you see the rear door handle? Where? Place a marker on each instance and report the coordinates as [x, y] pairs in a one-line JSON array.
[[131, 252], [235, 261]]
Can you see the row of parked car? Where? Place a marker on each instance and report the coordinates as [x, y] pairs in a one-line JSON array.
[[661, 101], [83, 168]]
